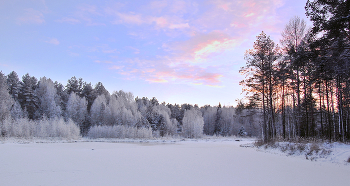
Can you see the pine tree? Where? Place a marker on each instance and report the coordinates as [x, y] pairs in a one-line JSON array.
[[261, 79], [13, 85], [6, 101], [16, 111], [101, 90], [27, 97], [218, 120], [74, 85], [89, 93]]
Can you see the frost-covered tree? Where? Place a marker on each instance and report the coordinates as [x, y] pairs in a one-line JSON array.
[[227, 121], [175, 111], [77, 110], [16, 111], [164, 125], [98, 111], [125, 111], [27, 97], [74, 85], [101, 90], [209, 116], [89, 93], [218, 121], [62, 96], [47, 96], [192, 124], [171, 127], [6, 100], [13, 85]]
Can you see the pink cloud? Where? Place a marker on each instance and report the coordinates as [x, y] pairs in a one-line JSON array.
[[115, 67], [106, 61], [157, 80], [249, 14], [69, 20], [158, 5], [85, 13], [136, 50], [179, 26], [230, 15], [161, 72], [201, 47], [129, 18], [31, 16], [53, 41], [205, 49], [158, 21], [109, 51]]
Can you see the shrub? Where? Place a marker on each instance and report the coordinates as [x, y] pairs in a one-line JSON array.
[[259, 143], [54, 127], [301, 147], [284, 148], [119, 131], [292, 149], [315, 147]]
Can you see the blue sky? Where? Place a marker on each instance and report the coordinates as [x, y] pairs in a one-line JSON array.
[[177, 51]]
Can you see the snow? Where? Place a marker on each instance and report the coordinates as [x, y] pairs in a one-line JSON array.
[[159, 162]]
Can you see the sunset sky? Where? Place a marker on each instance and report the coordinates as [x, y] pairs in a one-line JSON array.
[[177, 51]]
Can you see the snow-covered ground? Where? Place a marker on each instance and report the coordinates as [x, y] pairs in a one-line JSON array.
[[169, 162]]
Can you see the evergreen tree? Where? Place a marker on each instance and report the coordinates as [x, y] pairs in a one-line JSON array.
[[27, 97], [218, 120], [6, 101], [261, 79], [16, 111], [74, 85], [62, 97], [101, 90], [13, 85], [89, 94]]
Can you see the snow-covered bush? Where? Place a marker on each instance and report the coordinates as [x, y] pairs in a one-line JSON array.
[[192, 124], [19, 128], [119, 131], [57, 127], [53, 127]]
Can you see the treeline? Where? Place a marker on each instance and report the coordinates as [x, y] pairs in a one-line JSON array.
[[303, 87], [29, 104]]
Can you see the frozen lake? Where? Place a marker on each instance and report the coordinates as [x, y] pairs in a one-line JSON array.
[[181, 163]]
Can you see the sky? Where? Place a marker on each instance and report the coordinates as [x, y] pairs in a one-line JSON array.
[[177, 51]]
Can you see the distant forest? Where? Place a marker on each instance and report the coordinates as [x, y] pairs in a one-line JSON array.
[[97, 113], [300, 89]]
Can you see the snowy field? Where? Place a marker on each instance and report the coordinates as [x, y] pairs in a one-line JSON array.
[[203, 162]]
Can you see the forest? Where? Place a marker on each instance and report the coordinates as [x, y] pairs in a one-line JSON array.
[[43, 108], [302, 87], [298, 89]]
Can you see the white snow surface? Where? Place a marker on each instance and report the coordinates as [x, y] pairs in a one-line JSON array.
[[163, 162]]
